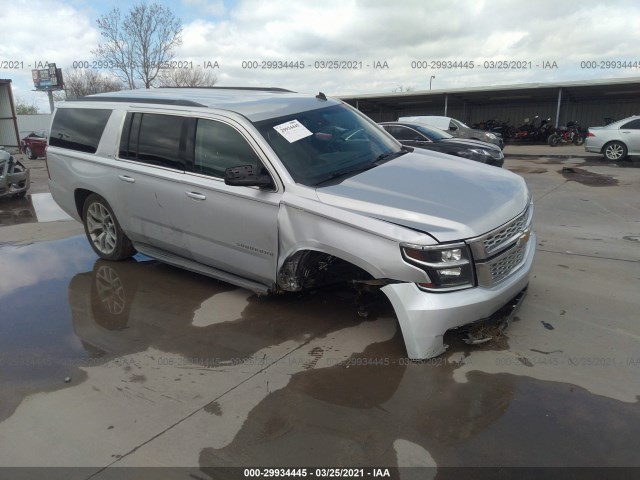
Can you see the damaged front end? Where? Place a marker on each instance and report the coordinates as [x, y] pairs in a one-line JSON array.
[[14, 176]]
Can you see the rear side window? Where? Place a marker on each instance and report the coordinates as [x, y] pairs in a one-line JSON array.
[[403, 133], [78, 128], [632, 125], [154, 139]]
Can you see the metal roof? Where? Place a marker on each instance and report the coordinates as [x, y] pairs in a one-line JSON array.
[[523, 93]]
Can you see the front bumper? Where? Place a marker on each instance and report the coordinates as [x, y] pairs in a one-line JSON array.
[[425, 317]]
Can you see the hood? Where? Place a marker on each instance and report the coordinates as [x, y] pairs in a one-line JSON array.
[[448, 197]]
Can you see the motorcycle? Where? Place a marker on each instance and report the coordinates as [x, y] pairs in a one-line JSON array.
[[569, 134], [535, 130]]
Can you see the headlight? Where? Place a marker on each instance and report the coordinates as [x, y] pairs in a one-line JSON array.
[[447, 266], [491, 136], [481, 151], [470, 155]]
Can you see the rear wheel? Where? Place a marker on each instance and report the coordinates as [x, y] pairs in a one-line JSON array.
[[615, 151], [578, 139], [103, 230], [29, 153]]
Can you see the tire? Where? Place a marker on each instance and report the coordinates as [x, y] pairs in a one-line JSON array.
[[578, 139], [553, 140], [614, 151], [29, 153], [103, 230]]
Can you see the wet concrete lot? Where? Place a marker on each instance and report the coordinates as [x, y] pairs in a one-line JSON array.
[[169, 368]]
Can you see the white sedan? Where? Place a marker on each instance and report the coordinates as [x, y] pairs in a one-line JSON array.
[[616, 140]]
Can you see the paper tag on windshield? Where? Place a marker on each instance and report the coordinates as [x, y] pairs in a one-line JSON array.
[[292, 131]]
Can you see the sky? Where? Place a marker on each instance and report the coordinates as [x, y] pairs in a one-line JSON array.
[[380, 46]]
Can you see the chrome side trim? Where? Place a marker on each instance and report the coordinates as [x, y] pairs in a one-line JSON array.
[[187, 264]]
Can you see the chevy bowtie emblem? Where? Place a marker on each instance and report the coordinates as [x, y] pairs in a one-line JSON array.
[[524, 238]]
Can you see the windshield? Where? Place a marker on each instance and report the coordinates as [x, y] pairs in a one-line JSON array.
[[433, 133], [322, 144]]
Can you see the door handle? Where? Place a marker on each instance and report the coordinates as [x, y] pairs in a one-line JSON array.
[[126, 178], [195, 195]]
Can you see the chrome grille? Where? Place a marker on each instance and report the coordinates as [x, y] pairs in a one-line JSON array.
[[501, 252], [499, 268], [504, 265], [496, 240]]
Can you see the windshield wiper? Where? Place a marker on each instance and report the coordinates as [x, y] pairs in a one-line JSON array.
[[380, 159], [385, 157], [344, 173]]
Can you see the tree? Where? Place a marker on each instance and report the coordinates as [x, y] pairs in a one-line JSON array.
[[187, 77], [82, 82], [25, 108], [139, 44], [401, 89]]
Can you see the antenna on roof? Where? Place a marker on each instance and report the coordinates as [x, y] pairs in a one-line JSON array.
[[321, 96]]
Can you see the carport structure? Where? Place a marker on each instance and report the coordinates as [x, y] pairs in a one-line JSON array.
[[588, 102], [8, 123]]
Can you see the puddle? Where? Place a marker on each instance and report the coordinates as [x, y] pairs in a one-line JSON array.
[[126, 307], [64, 309], [37, 346], [585, 177], [354, 415], [37, 207], [222, 307]]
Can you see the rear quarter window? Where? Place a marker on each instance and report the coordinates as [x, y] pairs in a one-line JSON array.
[[154, 139], [78, 129], [632, 125]]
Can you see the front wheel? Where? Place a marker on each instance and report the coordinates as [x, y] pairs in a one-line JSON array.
[[578, 139], [615, 151], [553, 140], [103, 230]]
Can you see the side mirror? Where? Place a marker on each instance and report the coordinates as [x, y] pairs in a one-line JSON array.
[[246, 176]]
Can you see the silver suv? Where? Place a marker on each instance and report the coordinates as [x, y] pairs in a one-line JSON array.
[[278, 191]]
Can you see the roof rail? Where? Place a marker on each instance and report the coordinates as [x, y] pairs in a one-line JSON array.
[[161, 101], [258, 89]]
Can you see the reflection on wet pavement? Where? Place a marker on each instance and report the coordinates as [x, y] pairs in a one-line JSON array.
[[339, 393], [126, 307], [112, 309], [349, 415], [37, 346], [37, 207]]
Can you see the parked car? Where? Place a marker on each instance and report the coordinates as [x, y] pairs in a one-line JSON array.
[[14, 176], [456, 128], [616, 140], [34, 145], [277, 191], [431, 138]]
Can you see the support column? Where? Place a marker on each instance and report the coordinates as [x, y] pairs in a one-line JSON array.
[[558, 108]]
